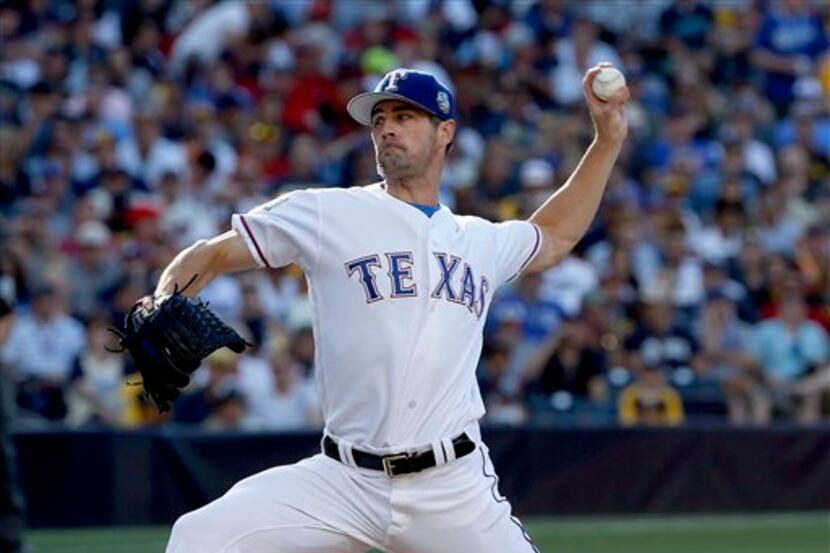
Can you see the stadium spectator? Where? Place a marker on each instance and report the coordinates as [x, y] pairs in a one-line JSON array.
[[229, 412], [687, 23], [812, 252], [575, 53], [41, 349], [210, 391], [723, 239], [204, 38], [790, 41], [625, 251], [503, 402], [680, 275], [539, 317], [567, 284], [525, 317], [95, 270], [96, 395], [661, 341], [726, 359], [793, 353], [147, 154], [778, 229], [569, 362], [650, 401], [536, 177]]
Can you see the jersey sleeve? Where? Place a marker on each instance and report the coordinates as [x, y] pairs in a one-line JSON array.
[[516, 244], [283, 231]]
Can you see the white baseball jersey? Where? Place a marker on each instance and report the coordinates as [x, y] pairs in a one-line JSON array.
[[399, 300]]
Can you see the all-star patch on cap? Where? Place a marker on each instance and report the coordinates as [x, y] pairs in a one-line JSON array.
[[407, 85]]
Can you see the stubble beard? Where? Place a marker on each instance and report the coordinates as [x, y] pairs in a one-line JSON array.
[[393, 161], [394, 164]]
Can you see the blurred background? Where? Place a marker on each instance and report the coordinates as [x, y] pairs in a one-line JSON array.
[[677, 362]]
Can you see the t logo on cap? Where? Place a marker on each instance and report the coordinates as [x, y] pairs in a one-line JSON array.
[[392, 80]]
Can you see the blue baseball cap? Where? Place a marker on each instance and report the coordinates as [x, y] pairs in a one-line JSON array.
[[407, 85]]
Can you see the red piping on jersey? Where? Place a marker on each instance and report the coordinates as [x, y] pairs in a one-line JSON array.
[[253, 239]]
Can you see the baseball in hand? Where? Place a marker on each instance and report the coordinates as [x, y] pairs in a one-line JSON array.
[[608, 81]]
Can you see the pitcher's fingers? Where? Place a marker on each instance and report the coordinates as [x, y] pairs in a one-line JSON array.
[[620, 97], [587, 84]]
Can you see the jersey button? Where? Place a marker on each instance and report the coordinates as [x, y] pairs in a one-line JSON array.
[[413, 404]]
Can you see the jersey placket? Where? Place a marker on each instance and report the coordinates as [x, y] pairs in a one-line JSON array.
[[410, 401]]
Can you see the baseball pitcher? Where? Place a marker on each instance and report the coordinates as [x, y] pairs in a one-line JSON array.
[[400, 288]]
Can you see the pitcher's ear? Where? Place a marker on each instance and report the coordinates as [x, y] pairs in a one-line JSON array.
[[447, 129]]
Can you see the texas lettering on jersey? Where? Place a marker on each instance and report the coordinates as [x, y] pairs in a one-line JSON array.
[[457, 283], [363, 247]]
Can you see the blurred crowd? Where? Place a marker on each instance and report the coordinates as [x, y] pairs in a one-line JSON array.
[[131, 128]]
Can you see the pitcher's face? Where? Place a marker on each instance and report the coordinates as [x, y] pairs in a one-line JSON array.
[[406, 141]]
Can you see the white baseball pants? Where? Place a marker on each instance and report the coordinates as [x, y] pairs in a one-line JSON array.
[[320, 505]]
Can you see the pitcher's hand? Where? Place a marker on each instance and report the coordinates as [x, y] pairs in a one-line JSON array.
[[610, 121]]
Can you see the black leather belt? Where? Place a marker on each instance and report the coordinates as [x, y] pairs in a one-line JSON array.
[[398, 464]]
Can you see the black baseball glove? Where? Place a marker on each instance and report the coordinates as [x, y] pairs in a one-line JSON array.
[[168, 338]]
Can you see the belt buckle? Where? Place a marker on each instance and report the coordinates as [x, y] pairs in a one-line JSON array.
[[389, 463]]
